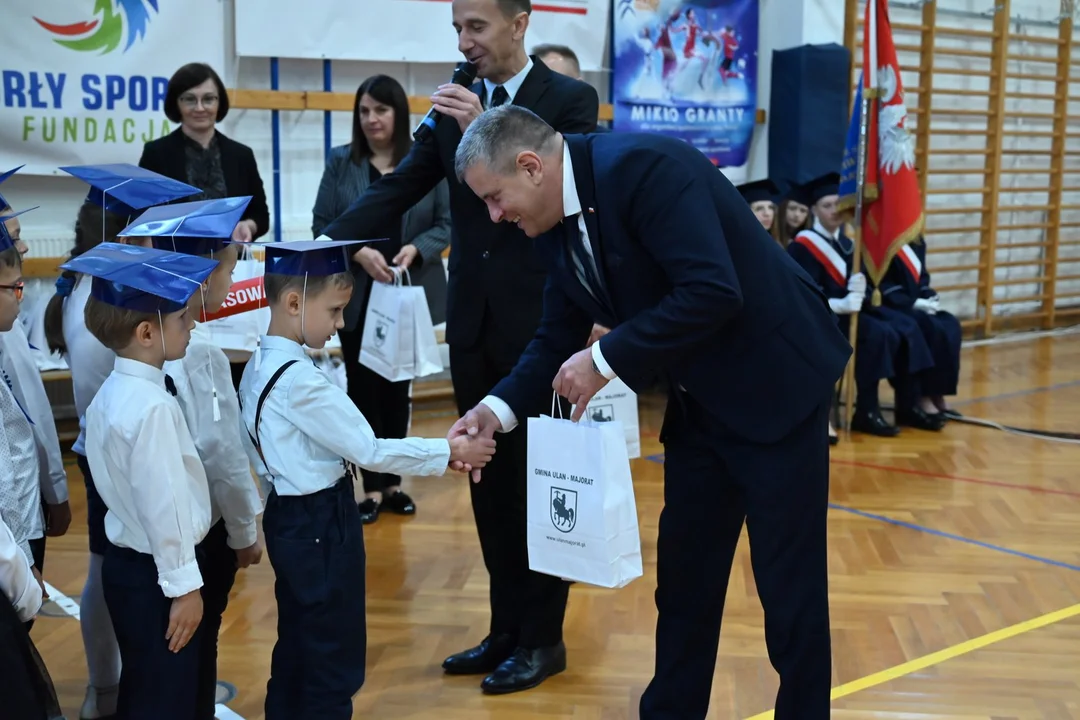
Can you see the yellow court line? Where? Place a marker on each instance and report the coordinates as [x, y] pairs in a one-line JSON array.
[[941, 656]]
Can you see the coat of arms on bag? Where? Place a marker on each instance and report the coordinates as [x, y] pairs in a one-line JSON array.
[[563, 509], [381, 329], [602, 413]]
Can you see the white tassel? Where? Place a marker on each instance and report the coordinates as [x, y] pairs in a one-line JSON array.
[[258, 352], [217, 408]]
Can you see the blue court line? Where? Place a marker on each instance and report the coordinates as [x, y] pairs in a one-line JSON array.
[[951, 536], [1018, 393], [659, 458]]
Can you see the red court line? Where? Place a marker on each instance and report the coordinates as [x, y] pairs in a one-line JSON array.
[[958, 478], [546, 8]]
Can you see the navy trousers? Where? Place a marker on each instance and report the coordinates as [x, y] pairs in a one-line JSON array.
[[219, 573], [943, 334], [316, 546], [876, 348], [713, 482], [154, 681]]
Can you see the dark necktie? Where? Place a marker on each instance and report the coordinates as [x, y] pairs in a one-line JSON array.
[[499, 97], [586, 272], [170, 385]]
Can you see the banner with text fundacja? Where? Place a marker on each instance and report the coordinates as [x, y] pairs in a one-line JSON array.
[[84, 81], [418, 31]]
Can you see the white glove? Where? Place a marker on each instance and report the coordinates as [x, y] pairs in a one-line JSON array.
[[930, 307], [857, 283], [848, 304]]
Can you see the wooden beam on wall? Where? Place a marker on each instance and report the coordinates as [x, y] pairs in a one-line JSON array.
[[1057, 163], [994, 138], [343, 102], [928, 33]]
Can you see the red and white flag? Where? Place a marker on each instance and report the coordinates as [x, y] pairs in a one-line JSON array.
[[892, 206]]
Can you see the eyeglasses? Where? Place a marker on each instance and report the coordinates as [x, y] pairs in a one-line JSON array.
[[17, 289], [191, 101]]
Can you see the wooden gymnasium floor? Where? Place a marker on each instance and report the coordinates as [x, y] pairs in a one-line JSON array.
[[954, 562]]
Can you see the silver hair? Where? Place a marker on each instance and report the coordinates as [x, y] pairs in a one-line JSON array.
[[497, 136]]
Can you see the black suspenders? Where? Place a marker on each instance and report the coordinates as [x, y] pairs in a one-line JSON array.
[[258, 408]]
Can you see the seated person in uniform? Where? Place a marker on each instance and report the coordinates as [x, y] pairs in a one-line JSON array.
[[827, 254], [906, 288], [761, 196]]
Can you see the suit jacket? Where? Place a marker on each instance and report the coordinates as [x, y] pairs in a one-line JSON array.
[[166, 156], [907, 278], [493, 270], [697, 288], [425, 225]]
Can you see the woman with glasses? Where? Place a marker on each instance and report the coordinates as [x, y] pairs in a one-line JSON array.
[[201, 155]]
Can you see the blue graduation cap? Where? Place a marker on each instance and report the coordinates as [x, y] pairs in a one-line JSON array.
[[141, 279], [203, 227], [6, 241], [125, 189], [809, 193], [310, 257], [3, 177], [758, 191]]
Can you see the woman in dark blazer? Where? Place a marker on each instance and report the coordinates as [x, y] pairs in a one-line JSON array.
[[199, 154], [380, 140]]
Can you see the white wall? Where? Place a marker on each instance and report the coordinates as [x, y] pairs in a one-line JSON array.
[[784, 23]]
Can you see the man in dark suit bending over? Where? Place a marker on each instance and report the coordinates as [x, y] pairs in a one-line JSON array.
[[642, 234], [494, 303]]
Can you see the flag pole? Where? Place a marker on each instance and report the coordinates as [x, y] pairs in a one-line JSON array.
[[856, 260]]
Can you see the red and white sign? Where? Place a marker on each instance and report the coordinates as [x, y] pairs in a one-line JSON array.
[[243, 296]]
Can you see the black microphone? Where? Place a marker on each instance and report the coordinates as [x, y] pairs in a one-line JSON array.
[[464, 76]]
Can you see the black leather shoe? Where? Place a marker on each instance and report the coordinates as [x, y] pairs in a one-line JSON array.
[[918, 418], [525, 669], [872, 423], [483, 658]]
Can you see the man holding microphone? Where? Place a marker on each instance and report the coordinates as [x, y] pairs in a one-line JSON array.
[[494, 306]]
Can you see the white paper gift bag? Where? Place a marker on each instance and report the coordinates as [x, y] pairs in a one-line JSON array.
[[428, 359], [582, 515], [389, 340], [241, 332], [616, 401]]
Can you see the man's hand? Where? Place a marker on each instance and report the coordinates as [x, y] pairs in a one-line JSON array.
[[598, 331], [244, 231], [405, 257], [374, 264], [578, 381], [480, 421], [57, 519], [249, 556], [457, 102]]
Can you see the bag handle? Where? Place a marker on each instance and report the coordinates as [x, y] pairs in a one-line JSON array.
[[398, 272], [556, 404]]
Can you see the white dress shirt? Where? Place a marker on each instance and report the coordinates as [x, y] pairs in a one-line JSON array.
[[511, 86], [233, 494], [148, 473], [309, 428], [89, 360], [17, 582], [571, 207], [20, 492], [18, 363]]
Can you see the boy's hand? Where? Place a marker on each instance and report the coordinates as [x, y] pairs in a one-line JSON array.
[[40, 582], [184, 618], [473, 451], [57, 519], [249, 555]]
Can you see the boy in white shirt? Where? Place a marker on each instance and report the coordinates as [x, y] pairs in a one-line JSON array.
[[20, 493], [21, 374], [303, 435], [28, 689], [204, 229], [148, 473]]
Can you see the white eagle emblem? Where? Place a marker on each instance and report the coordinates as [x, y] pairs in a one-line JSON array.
[[896, 144]]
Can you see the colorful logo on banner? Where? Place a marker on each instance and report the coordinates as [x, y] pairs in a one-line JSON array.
[[688, 70], [103, 34]]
